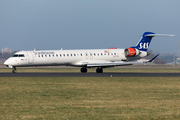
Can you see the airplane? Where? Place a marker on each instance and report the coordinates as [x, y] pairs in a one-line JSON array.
[[85, 58]]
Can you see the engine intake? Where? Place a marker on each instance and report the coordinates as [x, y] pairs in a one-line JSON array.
[[131, 52]]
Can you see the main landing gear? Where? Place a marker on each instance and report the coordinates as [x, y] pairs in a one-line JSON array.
[[98, 70], [83, 70], [14, 70]]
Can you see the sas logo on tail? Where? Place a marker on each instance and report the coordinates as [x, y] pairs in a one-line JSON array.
[[144, 46]]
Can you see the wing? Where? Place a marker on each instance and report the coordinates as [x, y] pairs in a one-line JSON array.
[[121, 63], [109, 64]]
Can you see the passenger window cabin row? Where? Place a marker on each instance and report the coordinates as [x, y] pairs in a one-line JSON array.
[[73, 55], [64, 55]]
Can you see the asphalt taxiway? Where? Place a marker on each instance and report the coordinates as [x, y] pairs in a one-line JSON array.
[[89, 74]]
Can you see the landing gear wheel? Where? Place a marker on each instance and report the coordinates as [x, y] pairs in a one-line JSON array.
[[83, 70], [99, 70], [14, 70]]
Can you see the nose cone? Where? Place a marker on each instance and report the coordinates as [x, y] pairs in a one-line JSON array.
[[6, 62]]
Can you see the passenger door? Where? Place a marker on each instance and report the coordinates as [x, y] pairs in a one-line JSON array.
[[30, 57]]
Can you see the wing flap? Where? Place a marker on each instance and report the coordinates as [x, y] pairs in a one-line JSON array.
[[110, 64]]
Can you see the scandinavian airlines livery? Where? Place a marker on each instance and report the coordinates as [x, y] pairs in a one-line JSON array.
[[98, 58]]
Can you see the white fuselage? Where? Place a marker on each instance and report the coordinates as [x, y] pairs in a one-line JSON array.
[[99, 58], [67, 57]]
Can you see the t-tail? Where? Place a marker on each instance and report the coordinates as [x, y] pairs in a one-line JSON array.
[[145, 41], [142, 46]]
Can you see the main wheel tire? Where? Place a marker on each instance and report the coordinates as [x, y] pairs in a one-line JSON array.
[[83, 70], [99, 70]]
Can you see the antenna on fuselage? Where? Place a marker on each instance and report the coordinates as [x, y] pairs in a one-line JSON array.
[[61, 48], [35, 49]]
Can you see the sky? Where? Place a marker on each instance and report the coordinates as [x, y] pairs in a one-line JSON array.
[[88, 24]]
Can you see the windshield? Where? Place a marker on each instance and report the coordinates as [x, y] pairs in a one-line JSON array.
[[15, 55], [18, 55], [21, 55]]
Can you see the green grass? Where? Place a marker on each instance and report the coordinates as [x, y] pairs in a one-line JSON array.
[[90, 98], [77, 70]]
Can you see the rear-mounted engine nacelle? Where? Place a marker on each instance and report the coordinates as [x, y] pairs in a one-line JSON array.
[[131, 52], [144, 54]]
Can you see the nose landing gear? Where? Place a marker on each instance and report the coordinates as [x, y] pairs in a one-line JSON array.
[[14, 70]]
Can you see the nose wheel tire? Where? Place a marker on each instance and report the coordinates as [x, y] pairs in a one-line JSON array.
[[14, 70], [83, 70]]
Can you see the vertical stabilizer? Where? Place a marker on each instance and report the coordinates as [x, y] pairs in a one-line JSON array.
[[145, 41]]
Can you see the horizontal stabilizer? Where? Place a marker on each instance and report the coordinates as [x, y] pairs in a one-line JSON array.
[[153, 35]]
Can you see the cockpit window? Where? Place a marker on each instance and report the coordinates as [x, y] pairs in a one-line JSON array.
[[21, 55], [15, 55], [18, 55]]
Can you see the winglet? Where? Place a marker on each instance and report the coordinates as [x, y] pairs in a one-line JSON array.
[[153, 58]]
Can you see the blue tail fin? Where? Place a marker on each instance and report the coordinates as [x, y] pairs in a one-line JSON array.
[[144, 42]]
